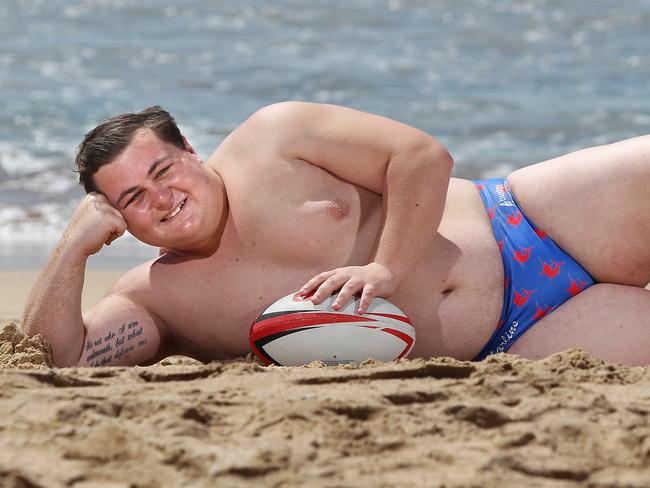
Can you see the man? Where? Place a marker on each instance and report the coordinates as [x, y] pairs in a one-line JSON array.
[[318, 198]]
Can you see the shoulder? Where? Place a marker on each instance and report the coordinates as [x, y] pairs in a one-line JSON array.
[[134, 281], [146, 286], [260, 142], [135, 287], [146, 283], [284, 112], [275, 126]]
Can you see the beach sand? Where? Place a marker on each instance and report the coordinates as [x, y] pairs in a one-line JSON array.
[[568, 420], [15, 285]]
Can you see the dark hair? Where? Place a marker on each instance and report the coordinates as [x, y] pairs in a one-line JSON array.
[[106, 141]]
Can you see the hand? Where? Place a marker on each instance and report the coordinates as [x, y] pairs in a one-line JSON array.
[[94, 223], [372, 279]]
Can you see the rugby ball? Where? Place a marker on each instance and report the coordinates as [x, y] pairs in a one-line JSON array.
[[293, 331]]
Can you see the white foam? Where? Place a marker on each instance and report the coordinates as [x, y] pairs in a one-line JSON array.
[[15, 159]]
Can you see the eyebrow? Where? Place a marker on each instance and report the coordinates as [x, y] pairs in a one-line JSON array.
[[152, 168]]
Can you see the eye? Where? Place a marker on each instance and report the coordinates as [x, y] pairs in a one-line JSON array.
[[134, 198], [163, 171]]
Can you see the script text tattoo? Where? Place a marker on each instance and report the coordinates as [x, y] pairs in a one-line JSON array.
[[115, 344]]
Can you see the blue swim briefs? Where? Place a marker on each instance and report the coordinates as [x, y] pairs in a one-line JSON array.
[[538, 275]]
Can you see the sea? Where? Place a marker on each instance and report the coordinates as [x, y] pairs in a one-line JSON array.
[[502, 84]]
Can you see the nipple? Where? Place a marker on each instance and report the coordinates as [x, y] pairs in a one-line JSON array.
[[337, 208]]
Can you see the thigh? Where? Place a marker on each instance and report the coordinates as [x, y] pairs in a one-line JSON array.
[[595, 203], [609, 321]]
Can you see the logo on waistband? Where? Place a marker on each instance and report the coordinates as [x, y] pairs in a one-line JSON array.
[[503, 195], [507, 337]]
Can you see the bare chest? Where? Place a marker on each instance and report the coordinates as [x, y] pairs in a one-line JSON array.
[[301, 215], [276, 238]]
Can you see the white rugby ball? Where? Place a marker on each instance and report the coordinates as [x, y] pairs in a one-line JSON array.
[[293, 332]]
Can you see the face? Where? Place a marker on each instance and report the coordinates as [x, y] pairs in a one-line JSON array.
[[166, 195]]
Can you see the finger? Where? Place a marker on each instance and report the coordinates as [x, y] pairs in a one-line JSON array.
[[116, 234], [98, 197], [315, 282], [111, 238], [107, 209], [367, 295], [115, 212], [345, 294], [329, 286], [102, 203], [96, 200]]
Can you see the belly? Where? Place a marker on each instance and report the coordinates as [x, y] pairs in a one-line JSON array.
[[455, 296]]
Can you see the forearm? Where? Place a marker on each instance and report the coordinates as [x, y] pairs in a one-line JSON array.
[[415, 190], [53, 307]]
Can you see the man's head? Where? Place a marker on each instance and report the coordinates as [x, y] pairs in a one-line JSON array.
[[148, 171], [109, 139]]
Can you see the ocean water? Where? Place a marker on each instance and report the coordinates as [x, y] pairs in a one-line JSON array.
[[501, 83]]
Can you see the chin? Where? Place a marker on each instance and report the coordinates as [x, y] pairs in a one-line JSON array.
[[186, 247], [153, 241], [186, 239]]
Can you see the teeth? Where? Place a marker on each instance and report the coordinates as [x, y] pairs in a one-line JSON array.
[[175, 211]]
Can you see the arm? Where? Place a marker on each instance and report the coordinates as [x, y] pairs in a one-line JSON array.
[[405, 165], [53, 307], [119, 332]]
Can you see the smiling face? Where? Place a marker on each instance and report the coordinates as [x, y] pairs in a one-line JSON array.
[[166, 195]]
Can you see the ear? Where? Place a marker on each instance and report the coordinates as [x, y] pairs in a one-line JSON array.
[[190, 149], [188, 146]]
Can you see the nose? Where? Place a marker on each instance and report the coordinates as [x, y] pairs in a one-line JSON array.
[[162, 197]]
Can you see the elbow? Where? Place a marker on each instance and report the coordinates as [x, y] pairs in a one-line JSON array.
[[65, 364], [27, 324], [65, 359], [442, 157], [425, 159], [30, 325], [60, 356], [437, 158]]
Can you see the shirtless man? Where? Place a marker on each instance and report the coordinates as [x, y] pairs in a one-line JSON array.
[[318, 198]]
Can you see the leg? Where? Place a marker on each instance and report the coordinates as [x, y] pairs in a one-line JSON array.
[[595, 204], [609, 321]]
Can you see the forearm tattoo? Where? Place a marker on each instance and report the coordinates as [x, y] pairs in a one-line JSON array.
[[115, 345]]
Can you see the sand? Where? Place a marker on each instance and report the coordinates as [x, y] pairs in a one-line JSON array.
[[568, 420], [15, 285]]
